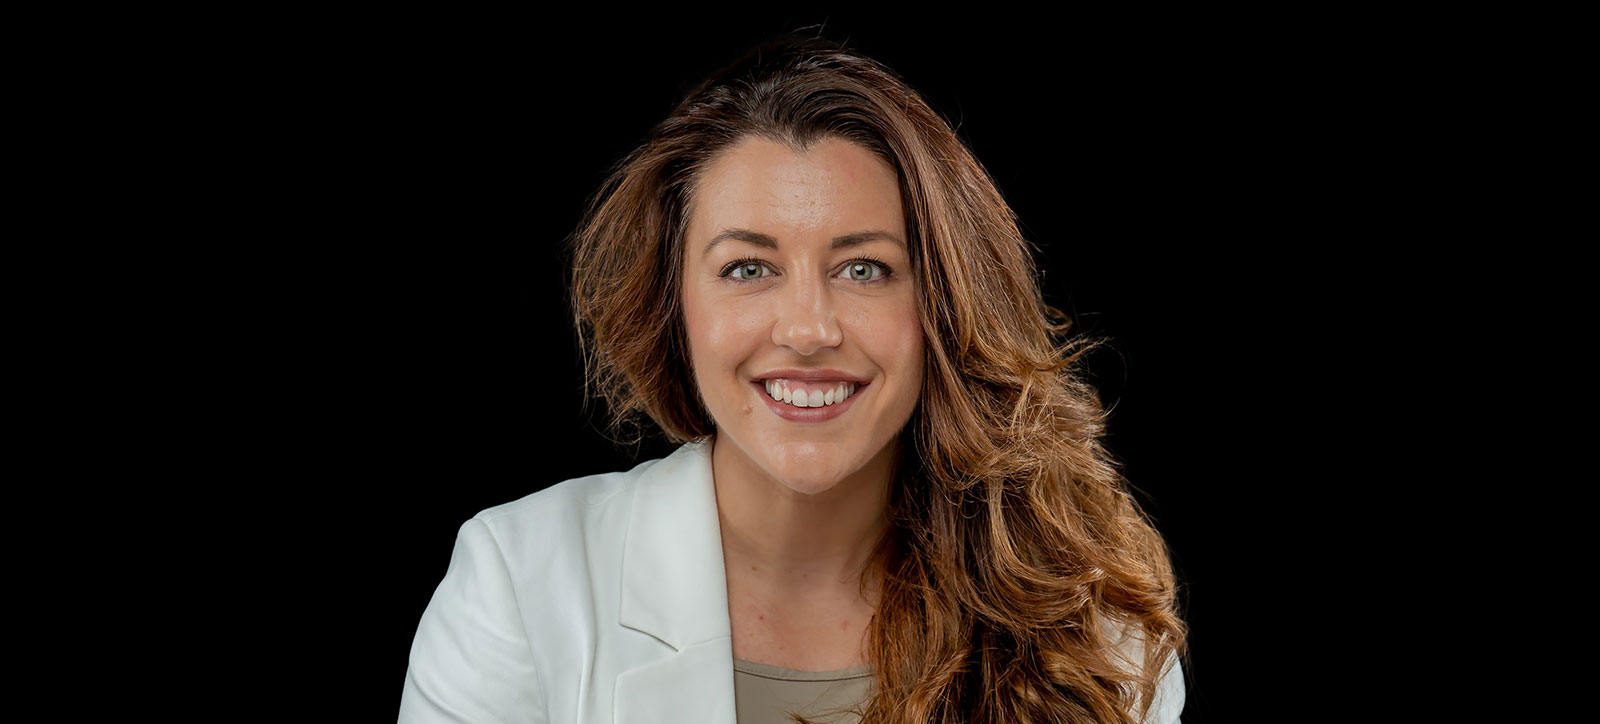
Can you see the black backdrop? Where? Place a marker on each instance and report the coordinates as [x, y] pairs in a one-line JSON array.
[[420, 174]]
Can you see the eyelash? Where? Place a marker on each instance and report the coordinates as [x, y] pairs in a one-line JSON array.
[[728, 270]]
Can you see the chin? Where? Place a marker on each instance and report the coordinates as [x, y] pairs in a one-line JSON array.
[[806, 476], [809, 486]]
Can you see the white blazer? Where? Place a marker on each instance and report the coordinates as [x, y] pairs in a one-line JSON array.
[[599, 600]]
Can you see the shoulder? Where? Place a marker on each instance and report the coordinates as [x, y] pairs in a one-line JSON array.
[[1167, 703], [525, 581], [575, 514]]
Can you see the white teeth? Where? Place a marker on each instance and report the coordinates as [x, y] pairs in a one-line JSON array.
[[779, 390]]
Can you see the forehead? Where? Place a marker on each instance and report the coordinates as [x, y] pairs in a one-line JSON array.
[[759, 181]]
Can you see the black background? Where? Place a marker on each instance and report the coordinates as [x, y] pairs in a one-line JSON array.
[[1188, 178]]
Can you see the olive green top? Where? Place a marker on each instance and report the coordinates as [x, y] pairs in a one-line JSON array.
[[764, 694]]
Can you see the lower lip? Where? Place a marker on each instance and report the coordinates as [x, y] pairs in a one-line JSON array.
[[806, 414]]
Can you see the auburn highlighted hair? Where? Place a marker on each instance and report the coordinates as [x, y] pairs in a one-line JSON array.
[[1021, 582]]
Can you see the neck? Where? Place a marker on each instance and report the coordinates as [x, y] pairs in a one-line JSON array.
[[797, 544]]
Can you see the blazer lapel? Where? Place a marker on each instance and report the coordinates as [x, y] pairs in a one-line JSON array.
[[674, 588], [693, 685]]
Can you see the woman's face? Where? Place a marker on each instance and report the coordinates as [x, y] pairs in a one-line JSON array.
[[780, 286]]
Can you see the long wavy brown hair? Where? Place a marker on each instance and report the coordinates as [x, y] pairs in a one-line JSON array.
[[1015, 560]]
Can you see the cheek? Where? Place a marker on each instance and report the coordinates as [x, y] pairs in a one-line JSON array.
[[910, 350], [694, 327], [901, 329], [892, 336], [720, 334]]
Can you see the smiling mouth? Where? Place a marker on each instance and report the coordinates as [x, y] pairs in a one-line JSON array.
[[801, 394]]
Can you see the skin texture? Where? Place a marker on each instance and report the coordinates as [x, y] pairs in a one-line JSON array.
[[801, 504]]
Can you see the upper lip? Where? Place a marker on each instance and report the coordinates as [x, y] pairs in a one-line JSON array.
[[813, 376]]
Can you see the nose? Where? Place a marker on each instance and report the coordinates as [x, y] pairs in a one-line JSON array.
[[806, 319]]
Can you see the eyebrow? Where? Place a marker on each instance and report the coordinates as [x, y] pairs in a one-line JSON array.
[[759, 239]]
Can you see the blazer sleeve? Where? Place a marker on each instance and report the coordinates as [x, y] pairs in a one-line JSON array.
[[471, 660]]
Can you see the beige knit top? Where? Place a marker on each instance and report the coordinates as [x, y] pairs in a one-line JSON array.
[[763, 693]]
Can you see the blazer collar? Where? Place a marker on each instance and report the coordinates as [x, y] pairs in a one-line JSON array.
[[674, 586]]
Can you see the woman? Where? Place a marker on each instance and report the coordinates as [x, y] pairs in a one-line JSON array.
[[891, 501]]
